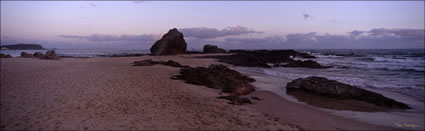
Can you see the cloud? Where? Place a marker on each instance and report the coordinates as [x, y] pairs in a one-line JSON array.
[[301, 37], [205, 33], [396, 32], [92, 4], [139, 1], [89, 5], [113, 38], [374, 38], [306, 16]]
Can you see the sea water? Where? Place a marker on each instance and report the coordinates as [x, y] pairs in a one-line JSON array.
[[397, 74], [399, 71]]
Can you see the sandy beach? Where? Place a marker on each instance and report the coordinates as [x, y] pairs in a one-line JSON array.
[[111, 94]]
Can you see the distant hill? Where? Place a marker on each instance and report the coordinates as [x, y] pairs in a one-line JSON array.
[[23, 47]]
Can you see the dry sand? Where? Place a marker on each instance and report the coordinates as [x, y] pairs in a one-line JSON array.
[[110, 93]]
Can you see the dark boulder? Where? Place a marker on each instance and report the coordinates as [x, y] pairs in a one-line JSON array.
[[50, 55], [213, 49], [258, 58], [305, 64], [270, 56], [241, 59], [334, 89], [217, 77], [25, 55], [38, 54], [5, 56], [171, 43]]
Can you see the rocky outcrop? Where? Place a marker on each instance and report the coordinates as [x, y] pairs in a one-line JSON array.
[[172, 43], [334, 89], [259, 58], [305, 64], [5, 56], [25, 55], [213, 49], [50, 55], [38, 55], [217, 77], [23, 47], [270, 56], [150, 62]]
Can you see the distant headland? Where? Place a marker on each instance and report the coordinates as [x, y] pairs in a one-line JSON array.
[[22, 47]]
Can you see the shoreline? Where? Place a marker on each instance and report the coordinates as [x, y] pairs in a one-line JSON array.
[[285, 114]]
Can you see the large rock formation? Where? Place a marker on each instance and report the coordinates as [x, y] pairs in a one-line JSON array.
[[171, 43], [218, 77], [23, 47], [334, 89], [213, 49]]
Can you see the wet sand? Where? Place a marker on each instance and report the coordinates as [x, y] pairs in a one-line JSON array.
[[110, 93]]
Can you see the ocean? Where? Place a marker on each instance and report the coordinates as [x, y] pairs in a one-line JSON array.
[[399, 71]]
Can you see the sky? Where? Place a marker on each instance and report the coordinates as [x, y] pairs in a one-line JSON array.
[[228, 24]]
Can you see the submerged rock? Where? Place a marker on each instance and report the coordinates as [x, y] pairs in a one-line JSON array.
[[334, 89], [213, 49], [26, 55], [171, 43], [218, 77]]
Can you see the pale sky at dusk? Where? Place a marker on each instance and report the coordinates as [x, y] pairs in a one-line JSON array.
[[237, 24]]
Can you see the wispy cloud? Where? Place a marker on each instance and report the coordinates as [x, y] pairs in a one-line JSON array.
[[204, 33], [306, 16], [88, 5], [139, 1]]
